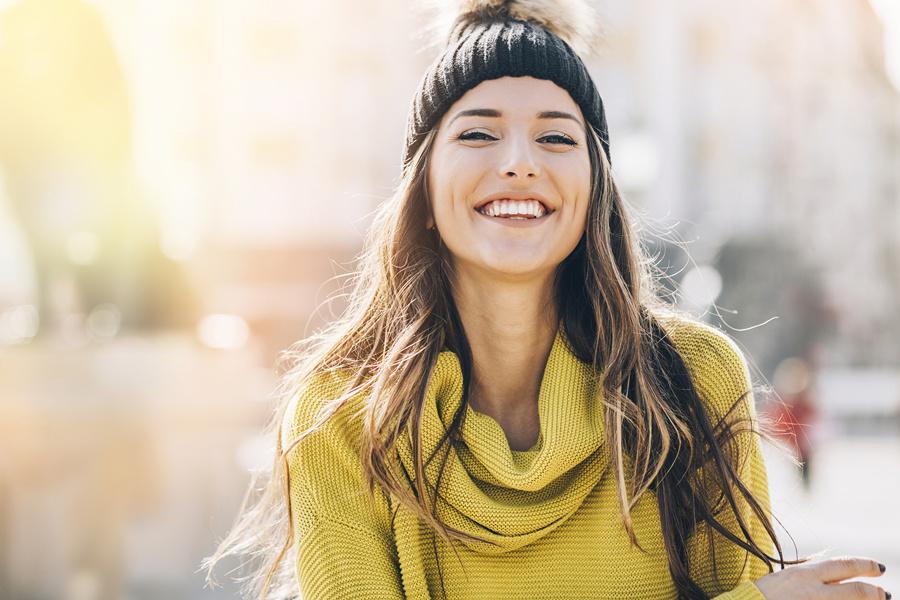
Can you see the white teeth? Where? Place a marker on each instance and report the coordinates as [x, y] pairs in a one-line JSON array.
[[510, 208]]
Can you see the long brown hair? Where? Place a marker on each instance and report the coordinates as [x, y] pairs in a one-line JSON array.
[[401, 313]]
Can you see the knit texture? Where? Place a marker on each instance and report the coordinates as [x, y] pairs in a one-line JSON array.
[[498, 48], [551, 511]]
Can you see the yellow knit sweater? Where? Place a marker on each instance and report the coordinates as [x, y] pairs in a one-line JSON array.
[[552, 510]]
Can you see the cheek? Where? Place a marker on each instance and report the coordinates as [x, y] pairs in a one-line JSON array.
[[452, 178], [575, 176], [584, 174]]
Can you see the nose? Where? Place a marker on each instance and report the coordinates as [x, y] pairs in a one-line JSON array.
[[518, 161]]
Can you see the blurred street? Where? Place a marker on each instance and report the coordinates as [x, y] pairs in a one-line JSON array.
[[121, 463], [851, 507]]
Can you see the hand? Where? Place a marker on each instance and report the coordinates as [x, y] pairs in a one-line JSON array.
[[821, 581]]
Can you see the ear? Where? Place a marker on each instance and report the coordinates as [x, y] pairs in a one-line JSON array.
[[429, 222]]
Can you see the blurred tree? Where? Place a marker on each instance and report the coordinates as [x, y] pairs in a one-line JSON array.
[[65, 156]]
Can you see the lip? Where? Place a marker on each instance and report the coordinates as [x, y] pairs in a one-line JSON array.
[[517, 196]]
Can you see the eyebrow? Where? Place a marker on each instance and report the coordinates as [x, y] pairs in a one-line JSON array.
[[491, 112]]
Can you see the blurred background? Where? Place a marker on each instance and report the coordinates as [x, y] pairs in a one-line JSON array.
[[181, 181]]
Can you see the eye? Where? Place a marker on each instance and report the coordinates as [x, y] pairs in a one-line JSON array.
[[560, 139], [472, 135]]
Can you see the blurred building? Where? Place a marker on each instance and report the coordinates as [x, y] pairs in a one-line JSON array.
[[268, 131], [772, 117]]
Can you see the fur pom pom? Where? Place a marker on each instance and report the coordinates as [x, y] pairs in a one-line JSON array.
[[575, 21]]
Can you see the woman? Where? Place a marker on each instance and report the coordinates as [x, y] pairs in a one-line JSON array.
[[508, 410]]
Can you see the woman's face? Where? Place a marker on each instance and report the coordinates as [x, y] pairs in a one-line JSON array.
[[514, 137]]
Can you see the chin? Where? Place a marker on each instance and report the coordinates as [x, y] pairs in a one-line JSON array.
[[522, 267]]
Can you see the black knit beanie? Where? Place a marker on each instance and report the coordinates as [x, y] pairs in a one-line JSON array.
[[496, 38]]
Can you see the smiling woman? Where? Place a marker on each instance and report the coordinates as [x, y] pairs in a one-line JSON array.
[[509, 409]]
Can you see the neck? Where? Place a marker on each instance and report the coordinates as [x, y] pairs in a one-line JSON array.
[[510, 327]]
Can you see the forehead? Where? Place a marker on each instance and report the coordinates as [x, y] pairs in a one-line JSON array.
[[516, 97]]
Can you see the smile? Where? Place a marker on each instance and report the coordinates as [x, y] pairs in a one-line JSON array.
[[506, 208], [517, 220]]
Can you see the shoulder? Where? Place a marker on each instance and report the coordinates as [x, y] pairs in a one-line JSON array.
[[326, 474], [304, 416], [309, 398], [717, 366]]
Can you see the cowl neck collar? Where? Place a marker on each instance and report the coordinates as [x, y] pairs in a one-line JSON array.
[[513, 498]]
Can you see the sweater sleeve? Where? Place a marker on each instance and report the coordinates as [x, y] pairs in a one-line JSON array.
[[343, 541], [720, 374]]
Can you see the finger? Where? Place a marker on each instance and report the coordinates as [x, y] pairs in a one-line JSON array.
[[836, 569], [853, 590]]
